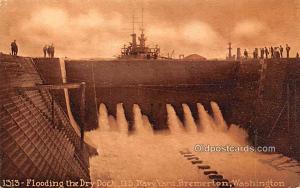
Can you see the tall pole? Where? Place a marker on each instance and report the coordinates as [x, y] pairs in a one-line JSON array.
[[295, 104], [288, 106], [229, 48], [142, 19], [132, 22], [82, 111]]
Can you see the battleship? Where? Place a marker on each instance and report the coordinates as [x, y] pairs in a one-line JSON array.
[[49, 106]]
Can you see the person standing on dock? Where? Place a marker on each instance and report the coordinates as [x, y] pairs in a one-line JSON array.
[[272, 52], [49, 51], [45, 50], [281, 51], [276, 52], [266, 52], [287, 51], [297, 55], [245, 54], [262, 53], [14, 48], [256, 53], [52, 51]]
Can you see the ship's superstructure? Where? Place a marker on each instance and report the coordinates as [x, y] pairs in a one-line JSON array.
[[139, 50]]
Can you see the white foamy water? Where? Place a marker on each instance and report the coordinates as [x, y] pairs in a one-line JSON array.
[[174, 124], [103, 118], [190, 124], [218, 117], [207, 124], [121, 119], [153, 160], [141, 125]]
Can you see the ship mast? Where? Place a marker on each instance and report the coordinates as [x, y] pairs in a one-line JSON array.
[[142, 38], [133, 21], [142, 28], [133, 32]]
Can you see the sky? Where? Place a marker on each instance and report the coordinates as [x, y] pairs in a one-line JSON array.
[[99, 28]]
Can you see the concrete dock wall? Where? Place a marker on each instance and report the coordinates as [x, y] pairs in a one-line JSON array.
[[277, 108], [153, 84]]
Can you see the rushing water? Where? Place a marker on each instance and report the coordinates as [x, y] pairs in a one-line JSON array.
[[145, 158]]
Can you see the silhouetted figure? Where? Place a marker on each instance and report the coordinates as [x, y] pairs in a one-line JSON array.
[[14, 48], [281, 51], [262, 53], [49, 51], [267, 52], [287, 51], [297, 55], [277, 53], [52, 51], [245, 54], [45, 50], [272, 52], [256, 53]]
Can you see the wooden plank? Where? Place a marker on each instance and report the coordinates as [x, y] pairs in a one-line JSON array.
[[51, 86]]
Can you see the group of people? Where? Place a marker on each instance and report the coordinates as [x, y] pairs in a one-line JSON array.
[[272, 52], [49, 50]]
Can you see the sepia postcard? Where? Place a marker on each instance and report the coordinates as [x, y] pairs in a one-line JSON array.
[[149, 93]]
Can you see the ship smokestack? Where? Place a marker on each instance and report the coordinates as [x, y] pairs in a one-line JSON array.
[[133, 40], [142, 40]]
